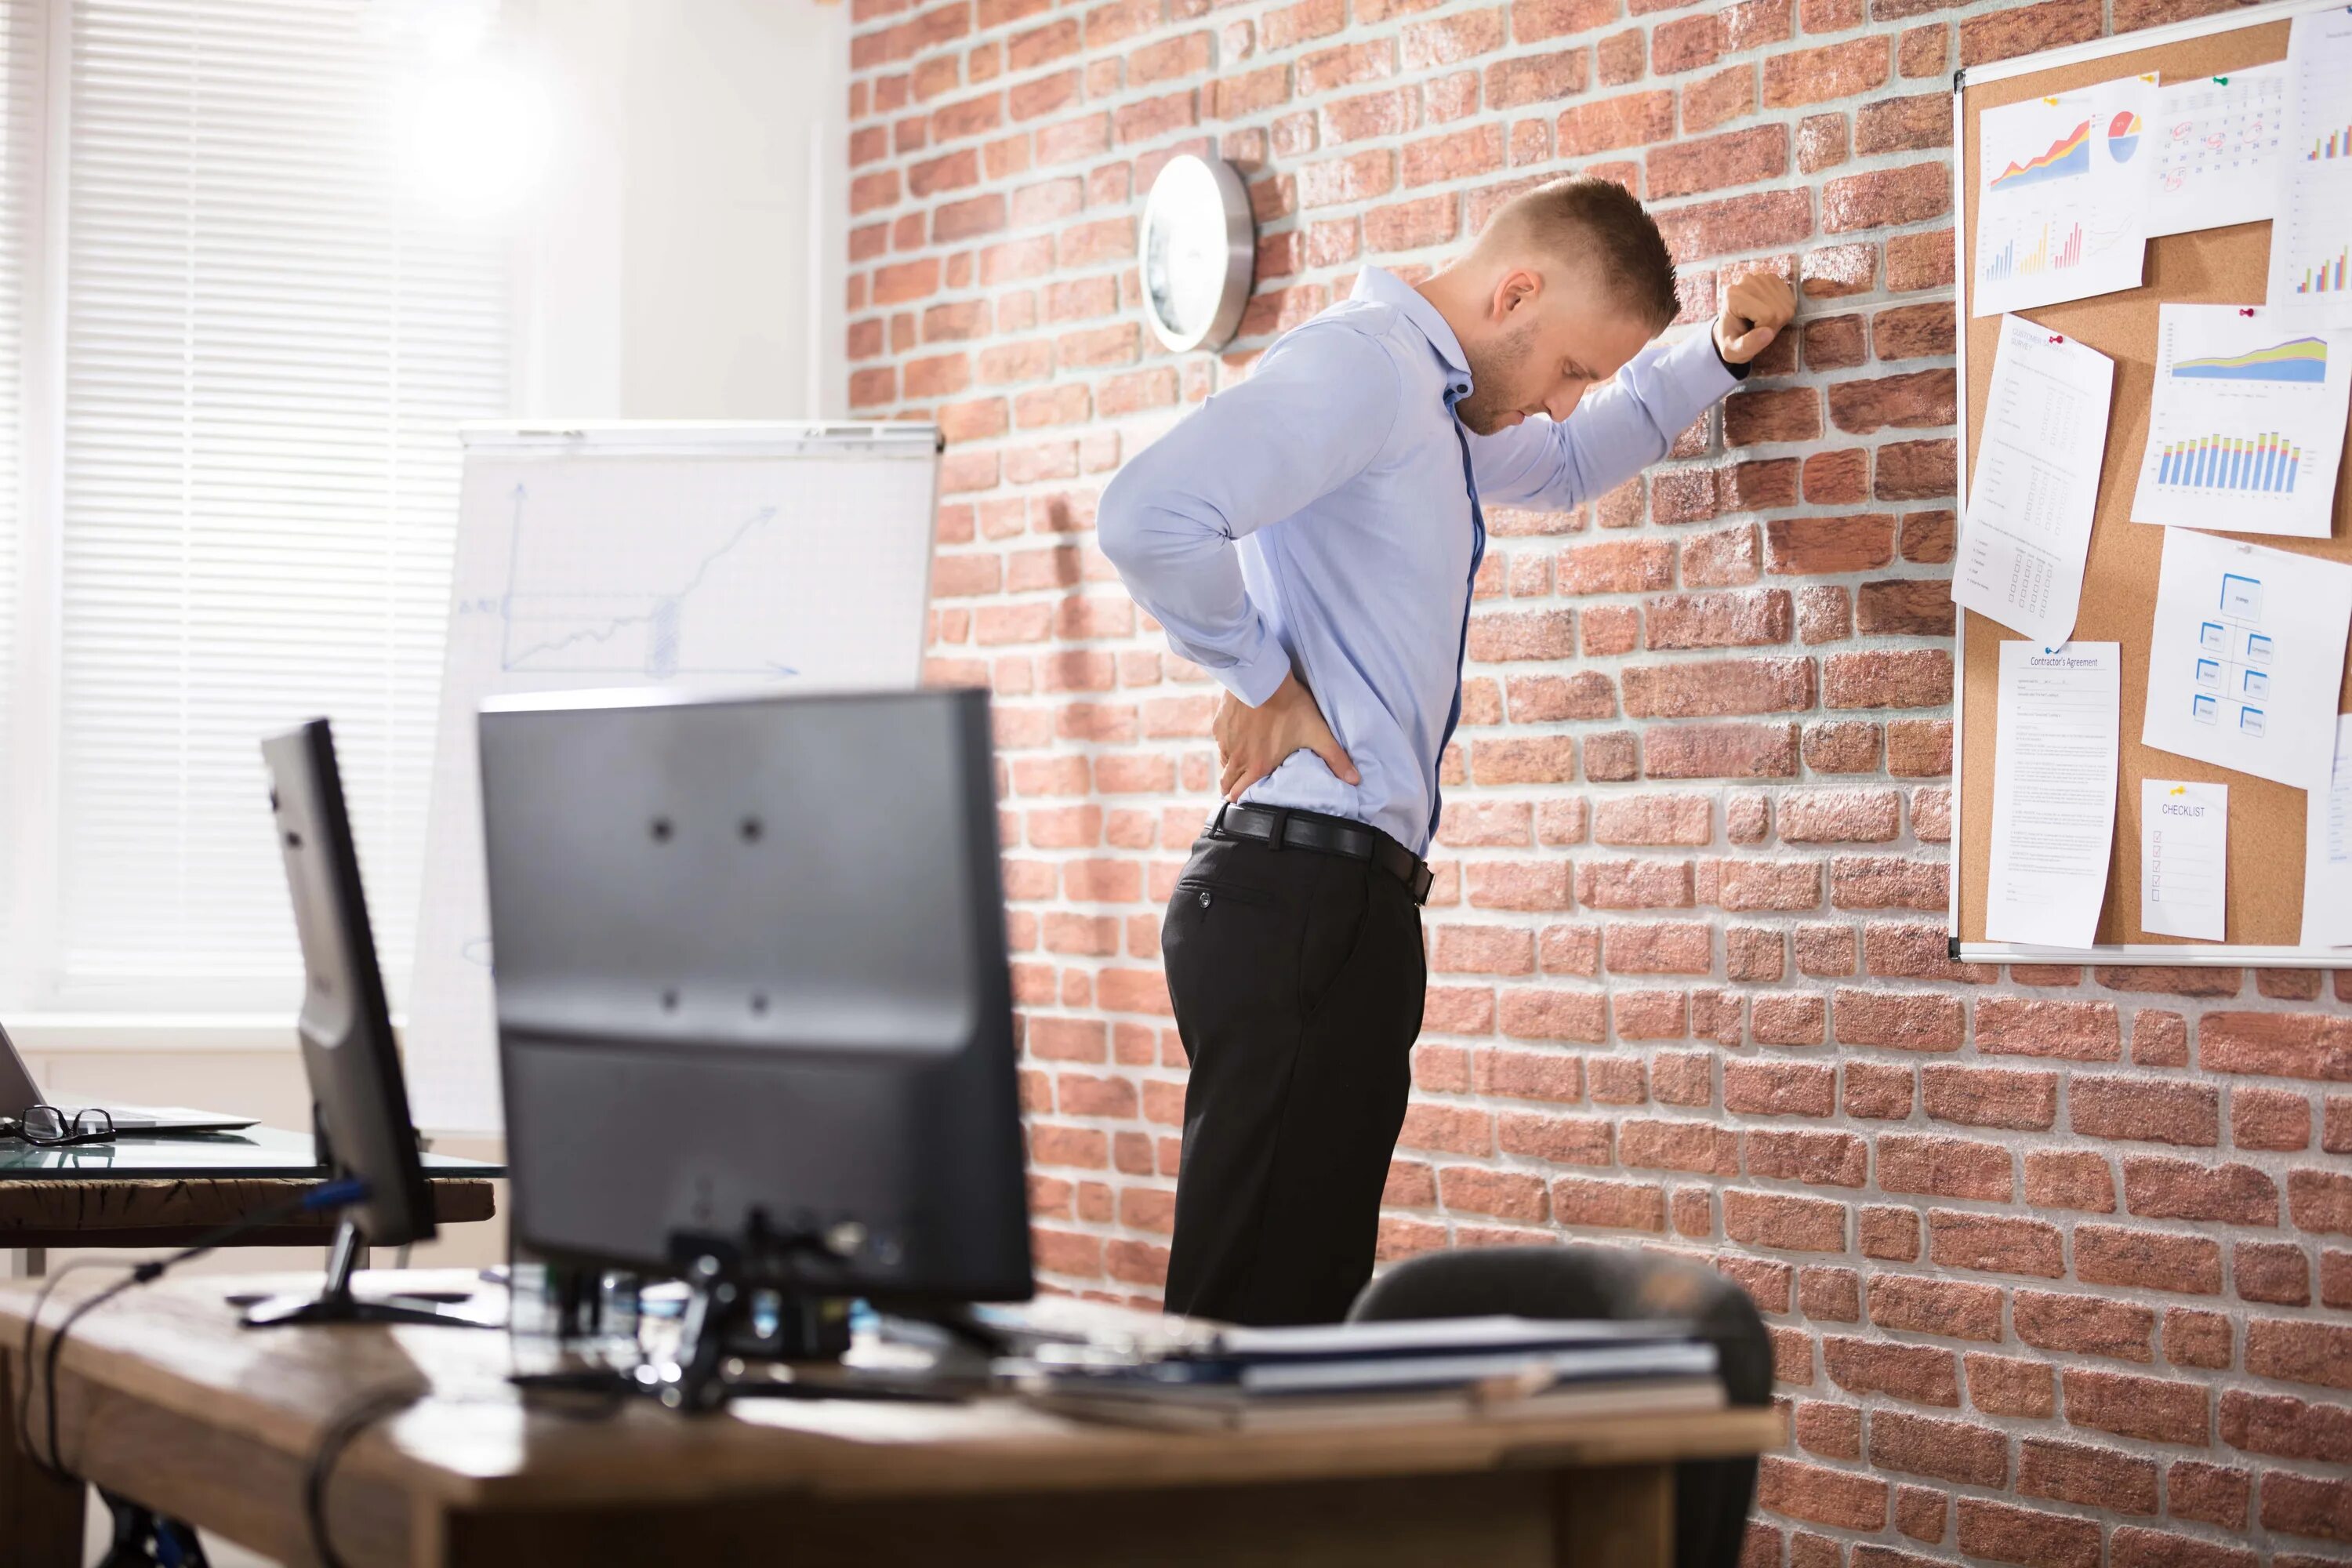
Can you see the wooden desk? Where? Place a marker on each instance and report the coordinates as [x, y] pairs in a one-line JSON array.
[[165, 1400], [163, 1192]]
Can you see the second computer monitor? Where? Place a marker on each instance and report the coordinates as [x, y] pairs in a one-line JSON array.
[[752, 988], [348, 1050]]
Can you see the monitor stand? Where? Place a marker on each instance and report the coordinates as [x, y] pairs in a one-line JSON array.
[[336, 1304], [703, 1373]]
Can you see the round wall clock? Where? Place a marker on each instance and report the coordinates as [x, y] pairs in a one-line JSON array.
[[1200, 253]]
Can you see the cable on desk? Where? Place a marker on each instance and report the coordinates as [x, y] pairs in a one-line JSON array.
[[332, 1195], [24, 1390], [338, 1435]]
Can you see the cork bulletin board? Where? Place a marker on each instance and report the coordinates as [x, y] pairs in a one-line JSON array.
[[2219, 266]]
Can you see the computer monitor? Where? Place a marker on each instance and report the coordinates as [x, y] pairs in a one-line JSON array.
[[754, 1009], [360, 1097]]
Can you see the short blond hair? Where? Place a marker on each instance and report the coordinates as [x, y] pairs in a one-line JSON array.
[[1595, 223]]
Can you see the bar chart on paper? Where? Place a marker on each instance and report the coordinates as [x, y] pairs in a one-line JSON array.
[[2049, 251], [2326, 275], [2266, 464], [2311, 243], [2249, 409]]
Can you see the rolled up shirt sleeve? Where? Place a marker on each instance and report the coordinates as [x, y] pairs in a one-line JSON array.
[[1616, 432], [1313, 414]]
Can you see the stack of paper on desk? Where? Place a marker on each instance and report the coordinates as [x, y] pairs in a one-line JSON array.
[[1276, 1379]]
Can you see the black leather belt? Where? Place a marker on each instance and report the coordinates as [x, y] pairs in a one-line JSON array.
[[1279, 829]]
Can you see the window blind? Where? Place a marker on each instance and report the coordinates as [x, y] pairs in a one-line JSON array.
[[267, 344]]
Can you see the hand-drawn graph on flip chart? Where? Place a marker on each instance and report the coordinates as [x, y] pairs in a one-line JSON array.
[[726, 556]]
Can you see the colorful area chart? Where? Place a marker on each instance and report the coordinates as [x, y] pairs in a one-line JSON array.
[[2068, 156], [2300, 358]]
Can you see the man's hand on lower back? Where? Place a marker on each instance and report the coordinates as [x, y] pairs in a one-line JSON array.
[[1252, 742]]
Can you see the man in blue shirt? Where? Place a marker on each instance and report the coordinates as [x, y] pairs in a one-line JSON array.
[[1309, 537]]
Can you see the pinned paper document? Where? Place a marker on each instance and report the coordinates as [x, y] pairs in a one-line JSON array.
[[2053, 792], [2327, 851], [2184, 859], [2247, 426], [2036, 482], [2311, 240], [2063, 196], [2246, 656], [2218, 140]]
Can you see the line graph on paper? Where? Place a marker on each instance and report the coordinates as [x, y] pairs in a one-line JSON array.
[[679, 600]]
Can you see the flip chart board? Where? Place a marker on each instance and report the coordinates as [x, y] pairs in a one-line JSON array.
[[708, 556]]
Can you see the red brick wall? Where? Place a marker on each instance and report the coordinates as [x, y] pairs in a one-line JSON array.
[[2058, 1262]]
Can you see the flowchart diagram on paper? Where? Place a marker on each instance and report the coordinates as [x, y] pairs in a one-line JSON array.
[[2246, 657]]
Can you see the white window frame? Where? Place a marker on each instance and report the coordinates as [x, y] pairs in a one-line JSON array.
[[37, 676]]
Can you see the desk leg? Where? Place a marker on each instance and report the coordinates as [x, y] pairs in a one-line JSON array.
[[40, 1517], [1621, 1518]]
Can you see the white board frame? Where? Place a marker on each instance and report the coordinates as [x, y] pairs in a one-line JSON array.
[[2202, 955]]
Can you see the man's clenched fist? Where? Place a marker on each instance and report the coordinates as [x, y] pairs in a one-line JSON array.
[[1754, 311]]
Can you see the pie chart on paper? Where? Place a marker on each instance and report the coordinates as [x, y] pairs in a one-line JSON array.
[[2123, 136]]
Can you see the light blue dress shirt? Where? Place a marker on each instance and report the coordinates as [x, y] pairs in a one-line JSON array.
[[1316, 517]]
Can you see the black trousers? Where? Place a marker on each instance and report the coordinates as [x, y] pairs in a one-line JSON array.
[[1298, 978]]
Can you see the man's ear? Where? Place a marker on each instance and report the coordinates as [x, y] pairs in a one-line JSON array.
[[1516, 289]]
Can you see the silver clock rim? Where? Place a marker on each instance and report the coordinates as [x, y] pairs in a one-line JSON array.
[[1241, 255]]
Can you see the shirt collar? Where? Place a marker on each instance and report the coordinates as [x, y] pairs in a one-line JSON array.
[[1380, 285]]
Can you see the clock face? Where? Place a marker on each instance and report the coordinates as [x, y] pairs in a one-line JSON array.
[[1198, 249]]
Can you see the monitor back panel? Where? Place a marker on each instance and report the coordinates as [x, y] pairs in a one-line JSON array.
[[750, 961]]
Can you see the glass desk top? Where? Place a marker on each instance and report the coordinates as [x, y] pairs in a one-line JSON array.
[[256, 1152]]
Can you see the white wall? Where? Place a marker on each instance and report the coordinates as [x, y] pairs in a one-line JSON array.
[[690, 263]]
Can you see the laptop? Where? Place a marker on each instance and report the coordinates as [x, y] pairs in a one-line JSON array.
[[19, 1093]]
